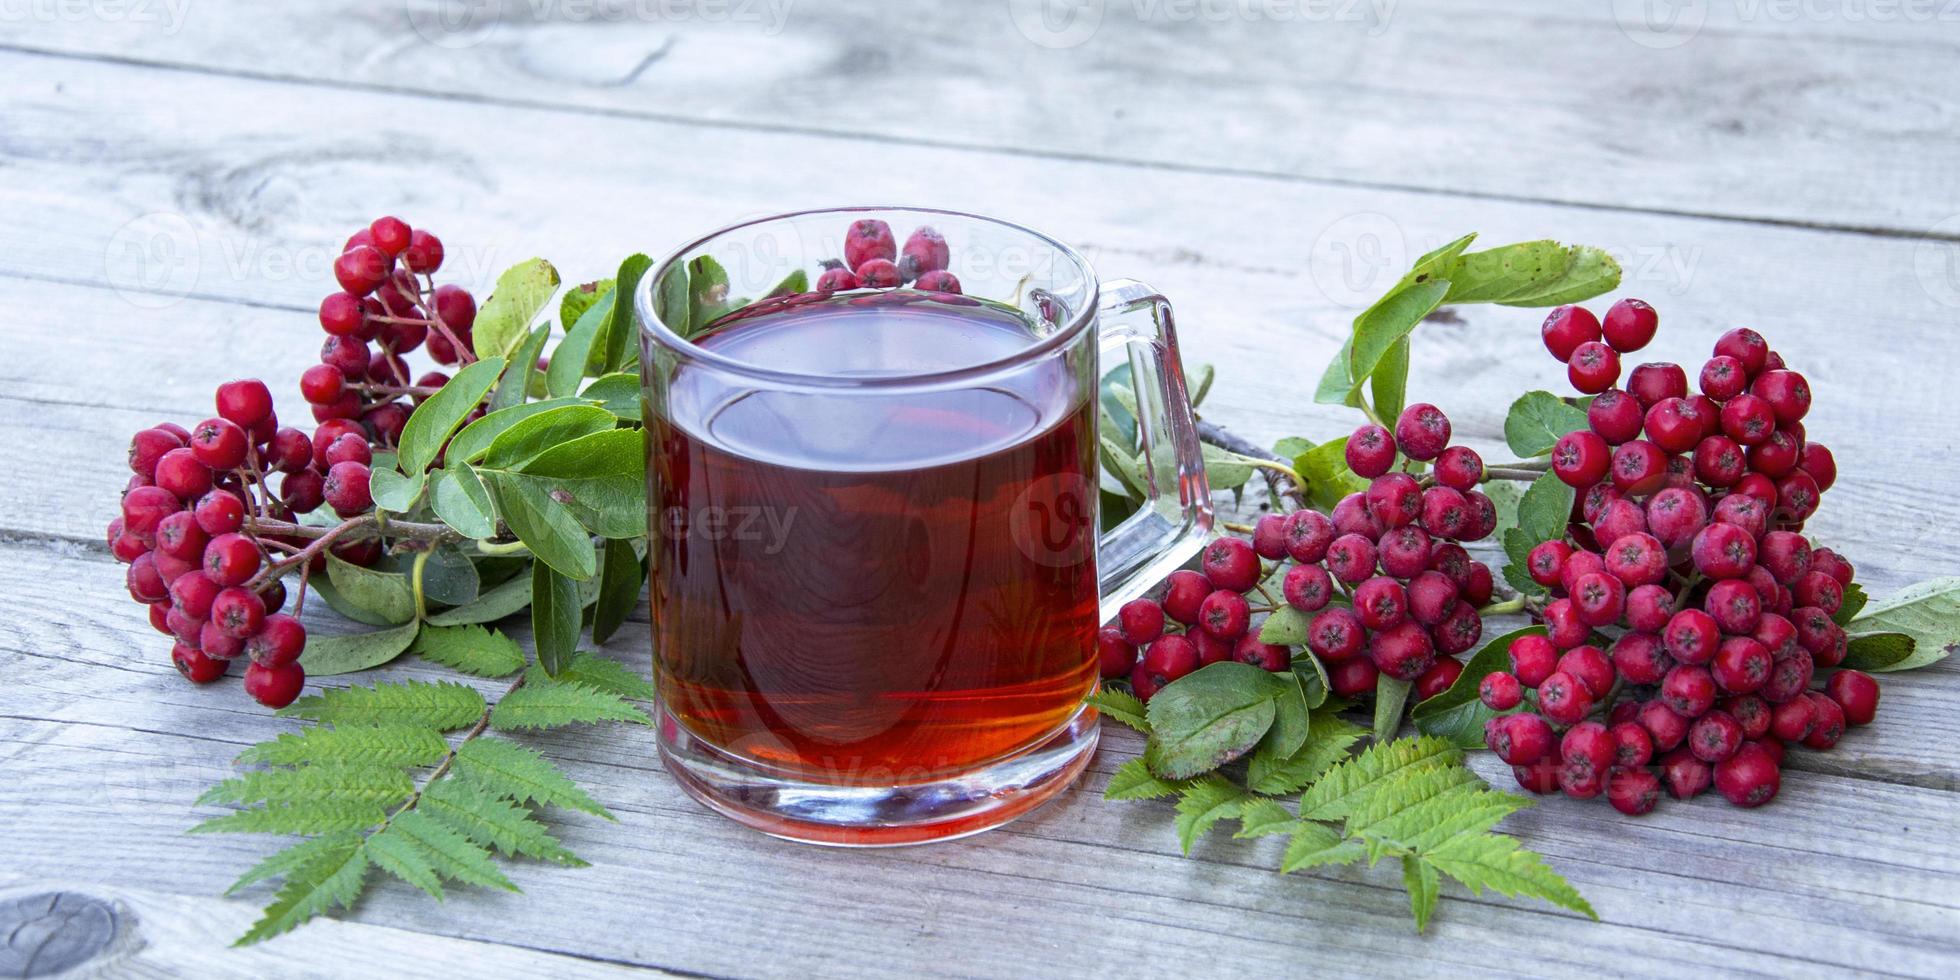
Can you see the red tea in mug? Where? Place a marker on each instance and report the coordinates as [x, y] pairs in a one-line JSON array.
[[875, 588]]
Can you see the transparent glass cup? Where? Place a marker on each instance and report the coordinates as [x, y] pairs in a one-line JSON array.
[[876, 568]]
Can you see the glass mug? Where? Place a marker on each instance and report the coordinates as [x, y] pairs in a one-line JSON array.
[[873, 513]]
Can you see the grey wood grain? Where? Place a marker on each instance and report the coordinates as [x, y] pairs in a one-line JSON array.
[[1811, 117], [100, 739]]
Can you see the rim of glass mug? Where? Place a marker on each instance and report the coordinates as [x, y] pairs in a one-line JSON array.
[[690, 351]]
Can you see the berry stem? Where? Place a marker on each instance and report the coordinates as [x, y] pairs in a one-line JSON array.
[[415, 580], [1514, 604], [1281, 480], [391, 391], [1512, 473]]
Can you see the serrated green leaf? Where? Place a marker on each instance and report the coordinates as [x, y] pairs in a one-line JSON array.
[[493, 822], [281, 863], [1419, 877], [534, 434], [505, 768], [1589, 272], [1379, 328], [399, 855], [1537, 421], [1332, 796], [1497, 862], [555, 611], [1329, 737], [493, 604], [543, 703], [346, 653], [576, 300], [1260, 817], [1313, 678], [1497, 274], [609, 506], [453, 855], [303, 817], [1290, 722], [1929, 612], [380, 745], [622, 578], [1517, 553], [353, 780], [1202, 804], [437, 418], [459, 498], [1408, 801], [607, 675], [395, 492], [441, 705], [332, 878], [505, 318], [545, 526], [1134, 781], [386, 595], [1209, 717], [1315, 846], [472, 650], [1120, 705], [1546, 509]]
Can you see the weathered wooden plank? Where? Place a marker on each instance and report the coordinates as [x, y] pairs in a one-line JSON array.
[[108, 928], [1759, 112], [101, 739]]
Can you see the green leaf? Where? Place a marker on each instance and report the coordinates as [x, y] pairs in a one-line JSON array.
[[1498, 863], [1315, 846], [1458, 713], [622, 335], [609, 506], [1546, 509], [1202, 804], [1209, 718], [494, 604], [281, 863], [1391, 696], [543, 703], [617, 393], [1325, 469], [1120, 705], [670, 298], [1200, 383], [346, 653], [607, 675], [436, 419], [1505, 495], [386, 595], [393, 491], [1929, 612], [320, 585], [1329, 737], [1497, 274], [1285, 626], [492, 821], [303, 817], [476, 437], [1123, 465], [1390, 382], [505, 768], [555, 610], [1264, 818], [331, 878], [1224, 469], [399, 855], [505, 319], [545, 526], [1380, 327], [1333, 795], [569, 358], [458, 497], [1289, 730], [584, 296], [453, 855], [1517, 553], [441, 705], [614, 452], [1313, 677], [471, 649], [621, 580], [1855, 601], [379, 745], [449, 576], [356, 781], [1133, 780], [707, 292], [515, 386], [1879, 652], [1419, 877], [538, 433], [1537, 421], [1589, 272]]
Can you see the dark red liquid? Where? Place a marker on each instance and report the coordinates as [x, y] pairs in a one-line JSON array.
[[875, 588]]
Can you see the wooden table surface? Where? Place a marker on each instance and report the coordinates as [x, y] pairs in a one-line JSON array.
[[176, 175]]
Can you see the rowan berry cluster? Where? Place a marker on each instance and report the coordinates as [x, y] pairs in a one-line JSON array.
[[1686, 532], [1388, 585], [208, 540]]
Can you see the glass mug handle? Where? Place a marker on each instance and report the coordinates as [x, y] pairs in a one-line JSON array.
[[1176, 516]]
